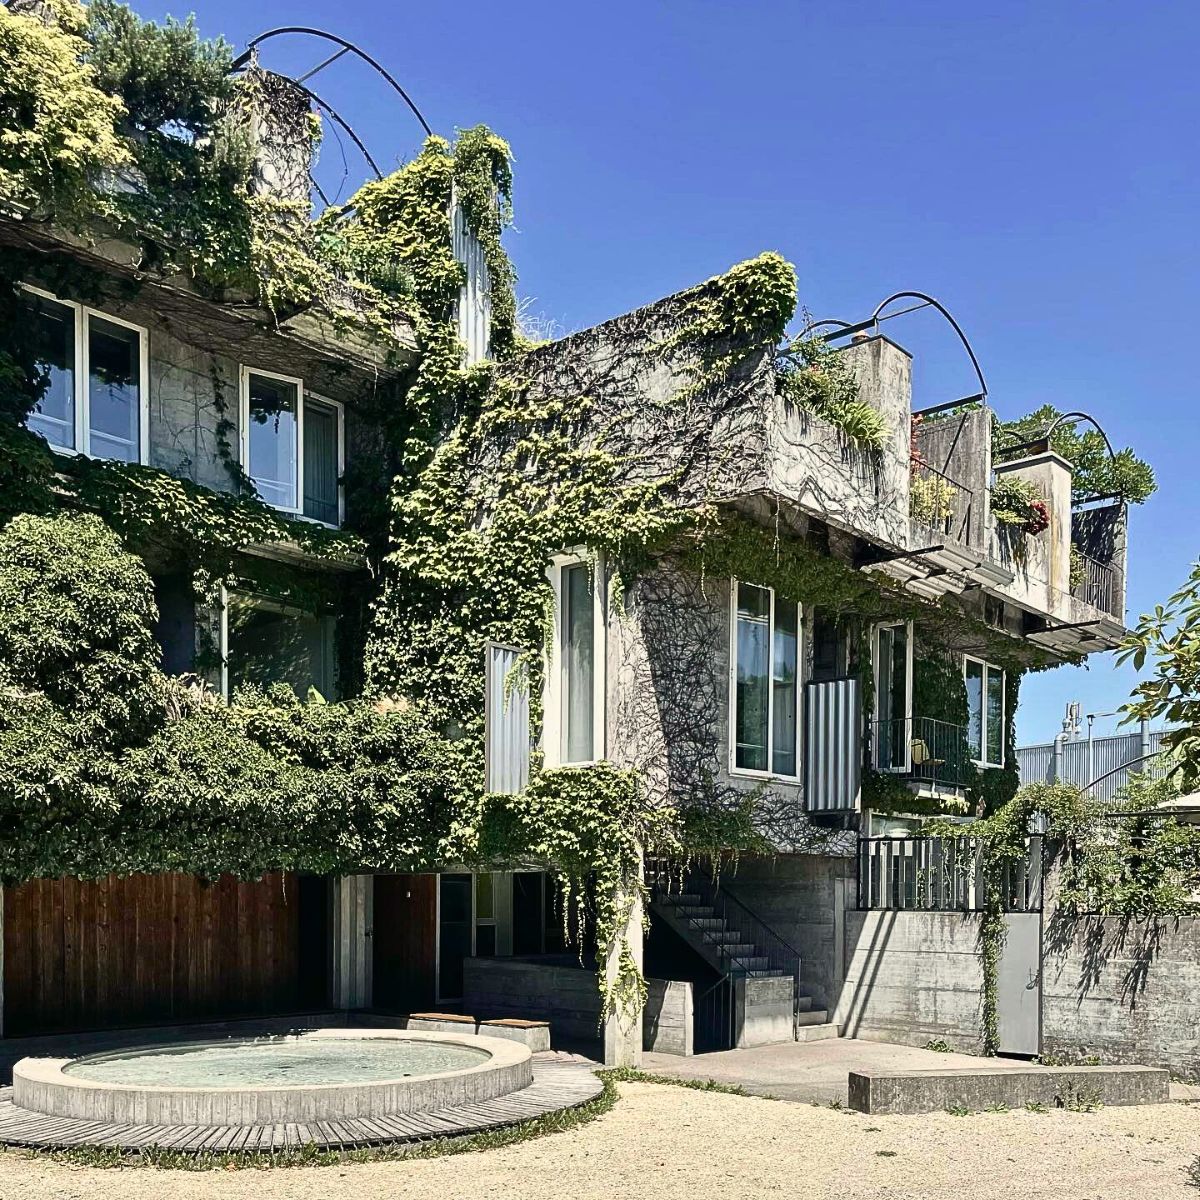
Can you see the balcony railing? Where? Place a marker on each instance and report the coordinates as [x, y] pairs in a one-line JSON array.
[[1099, 585], [919, 748], [940, 503]]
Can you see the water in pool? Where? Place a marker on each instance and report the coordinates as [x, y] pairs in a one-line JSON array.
[[274, 1062]]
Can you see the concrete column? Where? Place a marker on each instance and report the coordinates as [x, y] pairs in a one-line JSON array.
[[1051, 474], [623, 1027], [350, 928]]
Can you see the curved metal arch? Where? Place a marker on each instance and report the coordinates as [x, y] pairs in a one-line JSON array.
[[962, 337], [342, 123], [254, 42], [926, 301], [1075, 418]]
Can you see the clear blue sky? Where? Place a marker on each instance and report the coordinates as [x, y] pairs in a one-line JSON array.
[[1031, 164]]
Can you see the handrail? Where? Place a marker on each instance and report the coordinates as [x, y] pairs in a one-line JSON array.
[[755, 917]]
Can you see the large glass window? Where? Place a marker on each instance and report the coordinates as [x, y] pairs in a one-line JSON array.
[[985, 712], [53, 328], [766, 646], [893, 697], [95, 406], [273, 438], [114, 390], [321, 433], [578, 669], [266, 643]]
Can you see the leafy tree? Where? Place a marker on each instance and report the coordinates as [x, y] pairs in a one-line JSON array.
[[1096, 473], [167, 75], [1169, 639]]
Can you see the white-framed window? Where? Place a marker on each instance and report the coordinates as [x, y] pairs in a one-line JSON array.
[[985, 711], [293, 445], [96, 400], [263, 641], [764, 682], [892, 663], [575, 677]]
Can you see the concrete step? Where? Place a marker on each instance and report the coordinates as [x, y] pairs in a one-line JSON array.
[[817, 1033], [726, 937], [692, 911], [759, 964], [813, 1016]]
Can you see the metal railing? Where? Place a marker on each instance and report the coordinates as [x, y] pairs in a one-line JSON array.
[[940, 503], [767, 953], [1099, 585], [940, 874], [921, 748]]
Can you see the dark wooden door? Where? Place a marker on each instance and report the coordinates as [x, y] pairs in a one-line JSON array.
[[87, 954], [405, 941]]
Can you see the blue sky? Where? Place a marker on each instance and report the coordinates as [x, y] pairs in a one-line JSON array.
[[1033, 165]]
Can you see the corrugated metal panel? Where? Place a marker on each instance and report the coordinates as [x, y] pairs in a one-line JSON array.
[[833, 746], [1082, 761], [474, 316], [506, 721]]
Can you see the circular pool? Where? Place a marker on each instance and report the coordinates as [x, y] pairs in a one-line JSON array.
[[317, 1075]]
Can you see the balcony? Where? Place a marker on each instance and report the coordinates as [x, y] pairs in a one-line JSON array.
[[1096, 584], [933, 755]]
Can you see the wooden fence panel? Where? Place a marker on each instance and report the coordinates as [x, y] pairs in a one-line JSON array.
[[86, 954]]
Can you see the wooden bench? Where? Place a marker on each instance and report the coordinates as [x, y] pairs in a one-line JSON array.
[[436, 1022], [534, 1034]]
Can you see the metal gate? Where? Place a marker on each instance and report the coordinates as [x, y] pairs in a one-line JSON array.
[[1019, 985], [944, 875]]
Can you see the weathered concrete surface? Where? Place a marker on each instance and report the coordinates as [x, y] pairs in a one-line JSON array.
[[667, 1021], [1123, 990], [552, 989], [763, 1010], [908, 1093], [810, 1072]]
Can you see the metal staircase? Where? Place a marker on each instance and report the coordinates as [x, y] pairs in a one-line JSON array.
[[738, 946]]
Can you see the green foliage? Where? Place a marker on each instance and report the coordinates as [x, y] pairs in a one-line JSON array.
[[166, 75], [76, 613], [1095, 472], [931, 499], [1168, 640], [59, 127], [1016, 502], [812, 374]]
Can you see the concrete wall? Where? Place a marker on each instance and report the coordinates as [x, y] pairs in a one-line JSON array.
[[763, 1011], [1123, 990], [550, 989]]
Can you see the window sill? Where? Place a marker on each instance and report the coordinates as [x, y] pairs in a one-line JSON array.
[[767, 776]]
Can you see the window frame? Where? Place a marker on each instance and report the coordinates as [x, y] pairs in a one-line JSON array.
[[340, 409], [904, 768], [770, 773], [82, 394], [552, 689], [983, 762], [244, 373], [273, 605]]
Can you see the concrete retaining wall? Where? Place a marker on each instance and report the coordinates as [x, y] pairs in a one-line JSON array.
[[569, 998], [1123, 990], [763, 1011], [1079, 1088]]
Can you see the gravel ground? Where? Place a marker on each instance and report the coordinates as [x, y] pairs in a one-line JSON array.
[[667, 1143]]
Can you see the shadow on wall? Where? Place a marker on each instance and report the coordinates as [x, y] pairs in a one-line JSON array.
[[1097, 941]]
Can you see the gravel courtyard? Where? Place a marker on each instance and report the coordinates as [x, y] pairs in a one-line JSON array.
[[669, 1143]]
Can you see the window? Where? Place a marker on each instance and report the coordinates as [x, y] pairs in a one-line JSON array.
[[263, 642], [95, 366], [985, 712], [892, 654], [292, 446], [574, 730], [765, 670]]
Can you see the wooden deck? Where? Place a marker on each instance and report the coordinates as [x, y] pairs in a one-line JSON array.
[[560, 1081]]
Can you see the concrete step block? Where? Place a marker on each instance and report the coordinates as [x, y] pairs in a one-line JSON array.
[[818, 1033], [812, 1016]]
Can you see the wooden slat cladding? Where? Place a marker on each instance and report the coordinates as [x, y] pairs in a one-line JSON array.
[[84, 954], [405, 941]]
